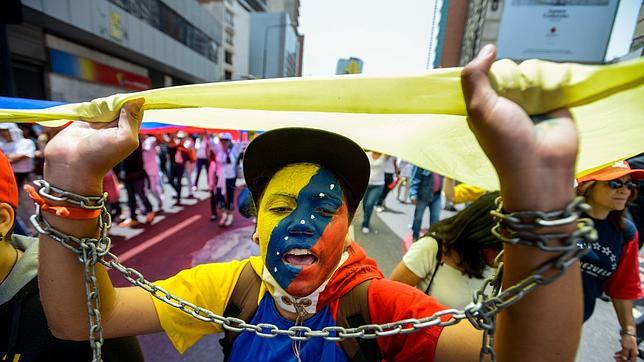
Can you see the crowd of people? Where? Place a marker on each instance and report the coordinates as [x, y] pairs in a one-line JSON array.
[[178, 160], [305, 195]]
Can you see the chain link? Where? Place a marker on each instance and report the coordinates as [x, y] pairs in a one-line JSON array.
[[515, 228]]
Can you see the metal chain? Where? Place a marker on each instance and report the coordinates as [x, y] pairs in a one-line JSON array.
[[487, 302]]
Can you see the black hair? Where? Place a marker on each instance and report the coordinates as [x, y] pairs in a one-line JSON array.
[[468, 233]]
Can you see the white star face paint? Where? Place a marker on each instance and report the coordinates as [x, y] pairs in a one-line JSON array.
[[322, 194], [302, 222], [278, 253], [331, 187], [312, 217], [286, 238]]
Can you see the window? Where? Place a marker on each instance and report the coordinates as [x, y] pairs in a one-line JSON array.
[[228, 75], [228, 37], [160, 16], [228, 57], [229, 18]]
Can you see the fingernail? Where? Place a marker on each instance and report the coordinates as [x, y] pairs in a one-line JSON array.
[[485, 51]]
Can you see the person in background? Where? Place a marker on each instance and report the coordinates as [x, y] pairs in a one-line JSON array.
[[19, 150], [189, 159], [406, 170], [111, 186], [178, 155], [151, 165], [452, 261], [374, 190], [133, 176], [612, 265], [227, 153], [24, 332], [391, 170], [164, 156], [215, 192], [425, 192], [461, 193], [202, 147]]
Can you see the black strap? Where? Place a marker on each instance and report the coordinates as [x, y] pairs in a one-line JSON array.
[[439, 262], [353, 311], [242, 304]]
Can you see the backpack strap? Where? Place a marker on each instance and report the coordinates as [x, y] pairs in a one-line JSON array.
[[353, 311], [242, 304]]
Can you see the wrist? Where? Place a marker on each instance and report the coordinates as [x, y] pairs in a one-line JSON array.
[[628, 331], [73, 181]]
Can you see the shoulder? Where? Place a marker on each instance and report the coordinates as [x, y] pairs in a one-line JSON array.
[[629, 229], [424, 245]]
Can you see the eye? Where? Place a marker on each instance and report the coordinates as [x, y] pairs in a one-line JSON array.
[[281, 209], [326, 211]]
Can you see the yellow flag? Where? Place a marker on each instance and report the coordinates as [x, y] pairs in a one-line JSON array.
[[420, 118]]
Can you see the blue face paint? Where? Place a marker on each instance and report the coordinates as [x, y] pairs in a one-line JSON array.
[[317, 204]]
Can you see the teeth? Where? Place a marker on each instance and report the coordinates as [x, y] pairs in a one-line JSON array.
[[299, 252]]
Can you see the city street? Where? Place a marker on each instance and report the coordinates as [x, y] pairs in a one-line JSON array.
[[320, 104], [183, 237]]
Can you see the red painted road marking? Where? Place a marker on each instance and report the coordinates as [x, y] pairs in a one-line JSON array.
[[406, 242], [157, 239]]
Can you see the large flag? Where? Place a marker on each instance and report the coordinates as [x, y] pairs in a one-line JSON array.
[[421, 118]]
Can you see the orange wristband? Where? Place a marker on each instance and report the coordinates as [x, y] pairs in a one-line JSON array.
[[67, 212]]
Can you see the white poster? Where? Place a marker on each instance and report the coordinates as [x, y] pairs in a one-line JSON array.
[[558, 30]]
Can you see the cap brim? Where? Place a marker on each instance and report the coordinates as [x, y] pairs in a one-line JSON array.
[[271, 151], [612, 174]]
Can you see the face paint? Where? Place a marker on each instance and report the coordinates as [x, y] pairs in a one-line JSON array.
[[302, 223]]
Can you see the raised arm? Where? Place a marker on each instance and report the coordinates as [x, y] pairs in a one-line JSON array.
[[535, 165], [76, 161]]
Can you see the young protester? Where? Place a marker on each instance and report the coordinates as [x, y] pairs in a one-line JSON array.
[[453, 260], [24, 335], [612, 265], [306, 193]]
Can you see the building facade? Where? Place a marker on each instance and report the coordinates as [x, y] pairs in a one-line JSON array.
[[77, 50], [274, 46], [558, 31], [243, 48]]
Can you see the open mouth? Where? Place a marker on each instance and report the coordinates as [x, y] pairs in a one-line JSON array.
[[300, 257]]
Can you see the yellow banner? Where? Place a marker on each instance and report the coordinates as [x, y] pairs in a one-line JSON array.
[[420, 118]]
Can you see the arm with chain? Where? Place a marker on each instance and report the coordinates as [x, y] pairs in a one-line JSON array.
[[628, 331], [535, 165], [76, 160]]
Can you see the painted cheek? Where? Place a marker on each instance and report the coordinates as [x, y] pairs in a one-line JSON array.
[[329, 248]]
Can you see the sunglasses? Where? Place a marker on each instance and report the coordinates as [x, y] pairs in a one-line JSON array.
[[617, 184]]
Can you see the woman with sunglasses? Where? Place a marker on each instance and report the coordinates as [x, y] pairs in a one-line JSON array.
[[612, 265]]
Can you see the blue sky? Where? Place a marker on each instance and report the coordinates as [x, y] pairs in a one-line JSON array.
[[392, 37]]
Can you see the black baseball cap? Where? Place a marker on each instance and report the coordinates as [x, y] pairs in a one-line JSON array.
[[272, 150]]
